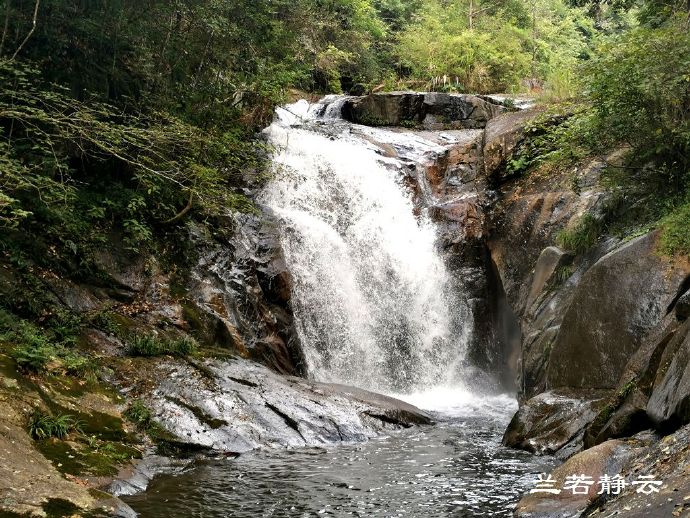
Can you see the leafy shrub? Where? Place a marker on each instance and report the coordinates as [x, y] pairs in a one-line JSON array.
[[44, 426], [638, 88], [582, 236], [151, 345], [106, 321], [562, 274], [33, 350]]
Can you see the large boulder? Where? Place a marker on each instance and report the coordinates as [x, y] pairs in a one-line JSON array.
[[237, 405], [554, 422], [619, 300], [626, 410], [385, 109], [433, 110], [539, 279], [239, 293], [605, 459], [669, 404], [460, 111]]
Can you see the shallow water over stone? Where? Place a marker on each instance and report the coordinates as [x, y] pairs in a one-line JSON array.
[[455, 468]]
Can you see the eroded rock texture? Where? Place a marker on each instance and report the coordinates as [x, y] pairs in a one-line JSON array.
[[237, 405]]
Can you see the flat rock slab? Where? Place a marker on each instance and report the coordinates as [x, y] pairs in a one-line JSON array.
[[237, 405], [27, 479]]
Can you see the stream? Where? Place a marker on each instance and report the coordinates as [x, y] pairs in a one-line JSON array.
[[376, 307], [456, 468]]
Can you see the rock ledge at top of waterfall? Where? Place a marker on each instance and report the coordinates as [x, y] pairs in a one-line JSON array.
[[430, 110], [237, 405]]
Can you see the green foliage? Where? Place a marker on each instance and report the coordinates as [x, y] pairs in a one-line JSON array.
[[563, 273], [488, 46], [675, 235], [582, 236], [554, 139], [157, 165], [642, 100], [37, 350], [106, 321], [152, 345], [44, 426], [139, 414]]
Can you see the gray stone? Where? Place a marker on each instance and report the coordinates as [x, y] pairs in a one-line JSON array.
[[669, 404], [434, 111], [550, 421], [237, 405], [683, 306], [620, 299]]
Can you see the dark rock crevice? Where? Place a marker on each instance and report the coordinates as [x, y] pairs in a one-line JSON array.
[[292, 423]]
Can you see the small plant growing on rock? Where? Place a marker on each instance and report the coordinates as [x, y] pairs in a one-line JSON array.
[[44, 426], [139, 414], [152, 345], [32, 357], [563, 273], [583, 236]]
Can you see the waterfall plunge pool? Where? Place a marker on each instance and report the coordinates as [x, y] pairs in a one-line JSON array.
[[376, 307], [456, 468]]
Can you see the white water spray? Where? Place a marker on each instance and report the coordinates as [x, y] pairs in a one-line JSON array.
[[373, 301]]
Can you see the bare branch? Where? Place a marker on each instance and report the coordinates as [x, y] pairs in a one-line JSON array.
[[33, 28], [177, 217], [4, 29]]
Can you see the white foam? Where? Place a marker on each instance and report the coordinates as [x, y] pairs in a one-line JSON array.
[[373, 301]]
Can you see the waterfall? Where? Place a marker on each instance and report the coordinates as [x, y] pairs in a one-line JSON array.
[[374, 304]]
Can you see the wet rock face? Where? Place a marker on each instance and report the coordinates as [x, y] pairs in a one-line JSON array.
[[554, 422], [665, 460], [434, 111], [621, 298], [669, 403], [236, 406], [241, 291], [538, 278], [605, 459]]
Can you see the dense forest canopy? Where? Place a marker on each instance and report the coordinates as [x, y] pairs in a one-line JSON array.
[[134, 115]]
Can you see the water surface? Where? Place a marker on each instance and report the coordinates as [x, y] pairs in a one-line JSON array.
[[456, 468]]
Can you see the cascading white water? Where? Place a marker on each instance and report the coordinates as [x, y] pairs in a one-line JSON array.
[[374, 303]]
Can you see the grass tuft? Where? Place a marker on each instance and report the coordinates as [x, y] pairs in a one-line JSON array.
[[582, 236], [151, 345], [44, 426], [675, 232]]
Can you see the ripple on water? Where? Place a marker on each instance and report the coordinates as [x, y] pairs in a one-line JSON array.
[[457, 468]]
